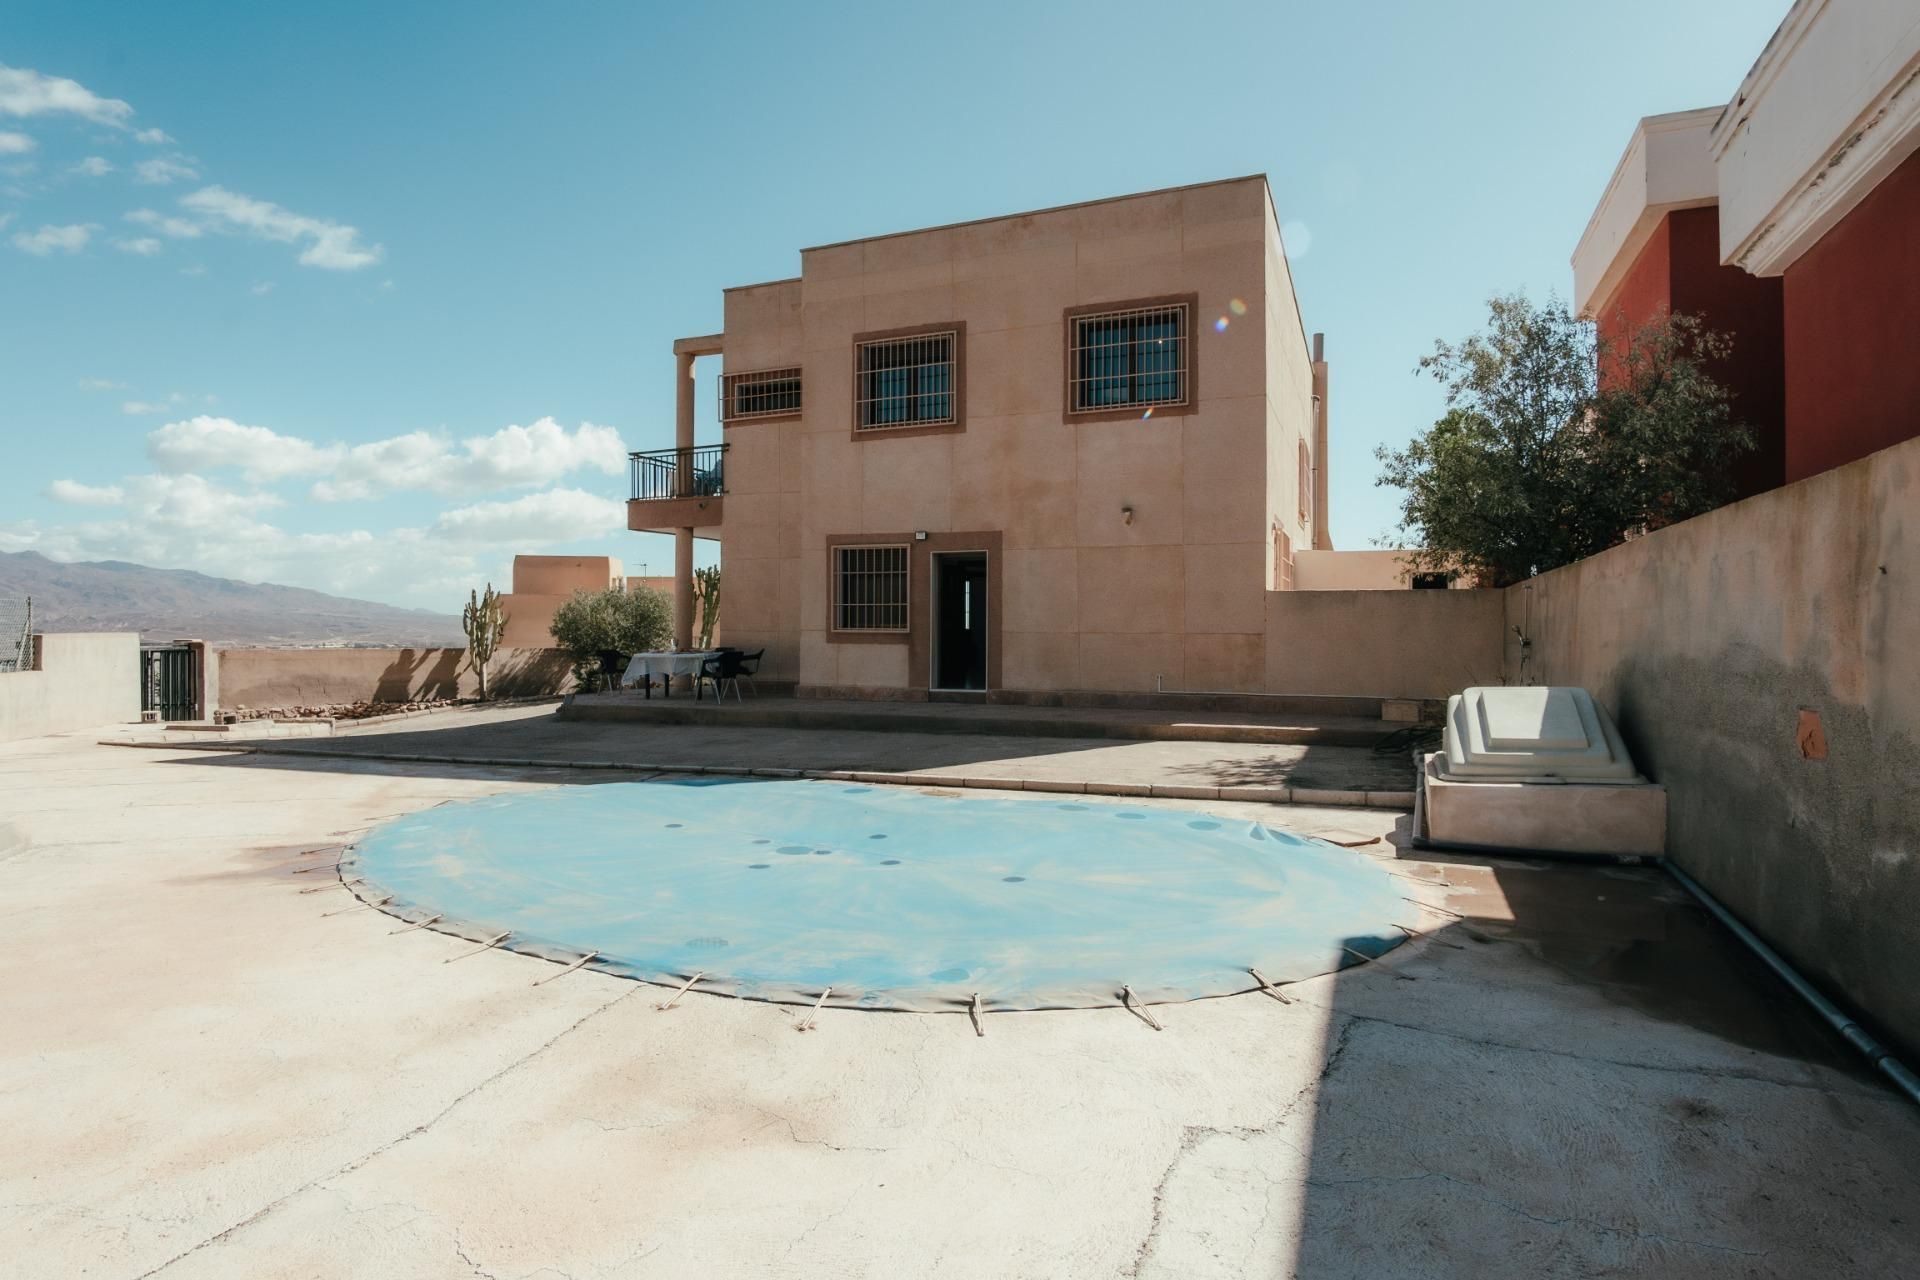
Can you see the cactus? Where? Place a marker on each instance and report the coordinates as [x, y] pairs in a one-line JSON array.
[[484, 623], [706, 590]]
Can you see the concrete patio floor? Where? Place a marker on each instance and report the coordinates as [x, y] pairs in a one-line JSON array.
[[206, 1072], [518, 734]]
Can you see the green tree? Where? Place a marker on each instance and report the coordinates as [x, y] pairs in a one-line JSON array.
[[484, 622], [591, 623], [1558, 444]]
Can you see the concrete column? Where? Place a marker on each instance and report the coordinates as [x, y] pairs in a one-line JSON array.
[[683, 485]]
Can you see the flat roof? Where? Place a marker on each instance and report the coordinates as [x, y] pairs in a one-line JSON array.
[[1057, 208]]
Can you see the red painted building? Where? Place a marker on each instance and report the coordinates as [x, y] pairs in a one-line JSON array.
[[1790, 220]]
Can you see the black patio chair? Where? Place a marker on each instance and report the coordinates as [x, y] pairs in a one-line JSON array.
[[721, 671], [749, 668], [613, 668]]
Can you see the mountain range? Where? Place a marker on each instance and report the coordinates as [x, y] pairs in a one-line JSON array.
[[169, 604]]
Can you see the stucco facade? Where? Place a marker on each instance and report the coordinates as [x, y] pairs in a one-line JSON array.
[[1123, 549], [1789, 218]]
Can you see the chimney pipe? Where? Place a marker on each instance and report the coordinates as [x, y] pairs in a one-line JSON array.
[[1321, 540]]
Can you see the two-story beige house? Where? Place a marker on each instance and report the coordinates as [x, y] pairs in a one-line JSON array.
[[1065, 450]]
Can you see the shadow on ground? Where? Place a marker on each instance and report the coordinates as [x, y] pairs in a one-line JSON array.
[[515, 739], [1560, 1132]]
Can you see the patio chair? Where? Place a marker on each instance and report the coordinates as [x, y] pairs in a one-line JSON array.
[[613, 667], [721, 671], [749, 668]]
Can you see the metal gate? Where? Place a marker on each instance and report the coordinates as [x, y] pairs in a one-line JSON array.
[[169, 682]]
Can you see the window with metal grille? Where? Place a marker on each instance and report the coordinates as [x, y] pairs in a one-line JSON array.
[[906, 382], [870, 588], [1306, 485], [1119, 359], [764, 394]]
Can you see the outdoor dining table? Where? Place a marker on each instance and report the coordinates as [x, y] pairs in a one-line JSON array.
[[644, 666]]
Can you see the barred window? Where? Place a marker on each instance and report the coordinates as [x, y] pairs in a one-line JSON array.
[[905, 382], [870, 588], [764, 394], [1306, 484], [1119, 359]]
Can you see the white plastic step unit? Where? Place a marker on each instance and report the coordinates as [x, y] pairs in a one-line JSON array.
[[1538, 733]]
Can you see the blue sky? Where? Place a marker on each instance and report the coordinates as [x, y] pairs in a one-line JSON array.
[[368, 298]]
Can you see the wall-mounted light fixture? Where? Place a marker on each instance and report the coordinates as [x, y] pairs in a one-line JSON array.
[[919, 535], [1126, 515]]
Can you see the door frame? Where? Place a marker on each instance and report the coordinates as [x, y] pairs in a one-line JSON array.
[[991, 650]]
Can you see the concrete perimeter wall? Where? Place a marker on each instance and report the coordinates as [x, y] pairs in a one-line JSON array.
[[1383, 644], [262, 678], [84, 680], [1708, 641]]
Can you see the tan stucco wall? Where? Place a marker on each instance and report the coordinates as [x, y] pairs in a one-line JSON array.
[[1088, 600], [1707, 640], [1381, 570], [1384, 644], [263, 678], [1289, 388], [84, 680], [563, 575]]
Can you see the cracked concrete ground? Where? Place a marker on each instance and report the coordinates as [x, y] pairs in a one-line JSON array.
[[205, 1073]]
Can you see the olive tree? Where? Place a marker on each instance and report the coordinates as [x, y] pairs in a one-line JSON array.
[[590, 623], [1558, 443]]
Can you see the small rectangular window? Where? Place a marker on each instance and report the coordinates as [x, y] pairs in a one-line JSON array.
[[906, 382], [870, 588], [767, 393], [1136, 357], [1306, 485]]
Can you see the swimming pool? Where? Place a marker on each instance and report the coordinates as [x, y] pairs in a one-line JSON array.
[[894, 897]]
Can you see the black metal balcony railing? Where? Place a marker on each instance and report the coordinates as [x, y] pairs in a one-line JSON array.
[[699, 472]]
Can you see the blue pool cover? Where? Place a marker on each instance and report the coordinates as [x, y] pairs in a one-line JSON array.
[[896, 898]]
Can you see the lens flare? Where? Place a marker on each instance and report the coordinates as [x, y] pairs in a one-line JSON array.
[[1238, 307], [1147, 414], [1220, 325]]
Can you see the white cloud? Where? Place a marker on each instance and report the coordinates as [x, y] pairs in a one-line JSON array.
[[206, 443], [162, 170], [71, 238], [510, 458], [329, 245], [197, 269], [153, 137], [86, 495], [557, 515], [261, 288], [101, 384], [145, 246], [14, 144], [93, 167], [178, 228], [25, 92]]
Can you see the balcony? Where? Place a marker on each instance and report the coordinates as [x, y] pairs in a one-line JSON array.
[[677, 488]]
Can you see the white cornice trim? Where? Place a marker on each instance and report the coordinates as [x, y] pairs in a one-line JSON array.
[[1780, 46], [1883, 136]]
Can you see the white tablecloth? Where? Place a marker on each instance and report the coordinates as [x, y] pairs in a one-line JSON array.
[[665, 665]]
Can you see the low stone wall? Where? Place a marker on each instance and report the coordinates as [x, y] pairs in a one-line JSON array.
[[1383, 644], [319, 677], [1763, 662], [83, 680]]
